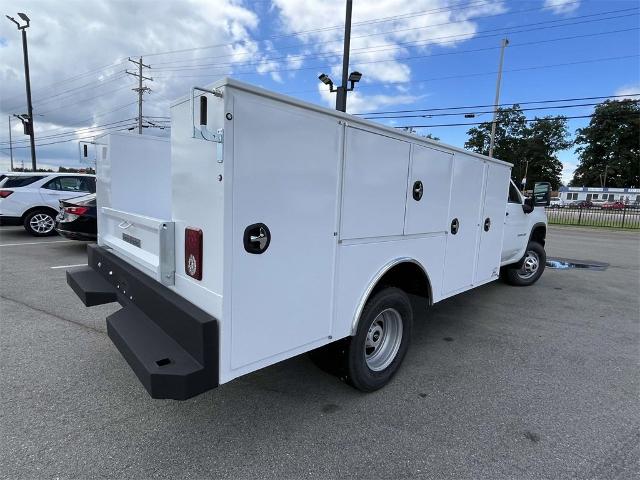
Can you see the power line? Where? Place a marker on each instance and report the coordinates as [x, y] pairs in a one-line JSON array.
[[402, 45], [75, 77], [92, 84], [529, 102], [498, 121], [424, 12], [480, 74], [118, 128], [82, 130], [81, 100], [94, 116], [449, 114], [410, 58], [320, 29], [391, 18]]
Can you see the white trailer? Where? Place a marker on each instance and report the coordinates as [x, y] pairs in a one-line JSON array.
[[291, 228]]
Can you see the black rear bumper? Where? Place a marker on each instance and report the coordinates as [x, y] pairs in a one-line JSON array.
[[171, 345]]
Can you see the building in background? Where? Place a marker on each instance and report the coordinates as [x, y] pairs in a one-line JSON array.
[[573, 194]]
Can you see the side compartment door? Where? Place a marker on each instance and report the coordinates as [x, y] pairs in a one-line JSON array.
[[285, 181], [463, 227], [374, 185], [492, 222], [428, 191]]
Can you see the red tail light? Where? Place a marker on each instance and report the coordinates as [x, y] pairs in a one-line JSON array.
[[76, 210], [193, 252], [5, 193]]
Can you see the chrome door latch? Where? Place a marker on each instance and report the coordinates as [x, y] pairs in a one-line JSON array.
[[202, 131], [218, 137]]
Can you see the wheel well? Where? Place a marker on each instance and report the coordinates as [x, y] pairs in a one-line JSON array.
[[538, 234], [407, 276], [42, 207]]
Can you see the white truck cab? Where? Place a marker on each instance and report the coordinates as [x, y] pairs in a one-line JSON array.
[[272, 227]]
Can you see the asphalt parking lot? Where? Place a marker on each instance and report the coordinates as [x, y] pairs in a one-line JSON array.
[[500, 382]]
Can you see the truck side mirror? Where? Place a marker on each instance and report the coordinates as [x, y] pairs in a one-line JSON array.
[[542, 194]]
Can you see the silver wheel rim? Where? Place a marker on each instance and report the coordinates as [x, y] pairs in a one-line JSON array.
[[41, 223], [530, 265], [383, 340]]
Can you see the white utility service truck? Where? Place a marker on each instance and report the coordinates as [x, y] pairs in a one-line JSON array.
[[270, 227]]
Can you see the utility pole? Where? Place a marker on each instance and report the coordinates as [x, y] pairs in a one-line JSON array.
[[341, 94], [141, 89], [505, 42], [28, 124], [10, 144]]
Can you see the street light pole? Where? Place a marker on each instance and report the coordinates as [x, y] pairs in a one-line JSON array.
[[341, 94], [25, 52], [505, 42]]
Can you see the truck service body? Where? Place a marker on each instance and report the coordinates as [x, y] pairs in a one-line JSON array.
[[270, 227]]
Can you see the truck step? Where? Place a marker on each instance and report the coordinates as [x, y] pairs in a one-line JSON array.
[[165, 368], [91, 288]]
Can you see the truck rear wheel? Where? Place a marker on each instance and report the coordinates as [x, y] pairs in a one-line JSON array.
[[381, 341], [535, 259]]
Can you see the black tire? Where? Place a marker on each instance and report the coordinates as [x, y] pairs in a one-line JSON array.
[[43, 228], [358, 371], [525, 276]]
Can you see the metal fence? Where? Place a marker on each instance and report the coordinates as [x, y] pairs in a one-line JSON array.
[[594, 217]]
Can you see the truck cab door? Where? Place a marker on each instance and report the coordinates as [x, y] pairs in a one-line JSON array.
[[515, 227]]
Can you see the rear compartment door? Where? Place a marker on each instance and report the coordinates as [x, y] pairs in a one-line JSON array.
[[285, 176]]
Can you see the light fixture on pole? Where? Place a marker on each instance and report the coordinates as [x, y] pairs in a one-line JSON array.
[[353, 77], [29, 130]]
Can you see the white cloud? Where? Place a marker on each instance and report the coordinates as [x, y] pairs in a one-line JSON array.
[[562, 7], [627, 91], [71, 37], [377, 48]]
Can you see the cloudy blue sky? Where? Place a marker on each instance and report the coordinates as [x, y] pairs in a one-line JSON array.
[[413, 55]]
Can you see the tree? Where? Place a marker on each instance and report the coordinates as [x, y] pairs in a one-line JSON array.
[[609, 147], [532, 148], [431, 137]]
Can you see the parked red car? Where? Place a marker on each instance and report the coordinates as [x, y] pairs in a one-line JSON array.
[[613, 206]]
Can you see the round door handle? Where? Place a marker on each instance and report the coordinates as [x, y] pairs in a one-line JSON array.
[[455, 226], [487, 224], [418, 190], [256, 238]]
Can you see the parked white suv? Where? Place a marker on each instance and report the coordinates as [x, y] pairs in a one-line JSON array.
[[33, 199]]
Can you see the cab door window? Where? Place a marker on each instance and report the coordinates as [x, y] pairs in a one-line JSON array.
[[514, 194]]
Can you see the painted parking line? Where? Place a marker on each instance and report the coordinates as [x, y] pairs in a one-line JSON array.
[[33, 243], [69, 266]]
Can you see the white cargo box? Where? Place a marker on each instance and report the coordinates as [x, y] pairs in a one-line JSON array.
[[275, 220]]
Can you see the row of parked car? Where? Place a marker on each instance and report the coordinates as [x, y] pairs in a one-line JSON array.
[[50, 203]]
